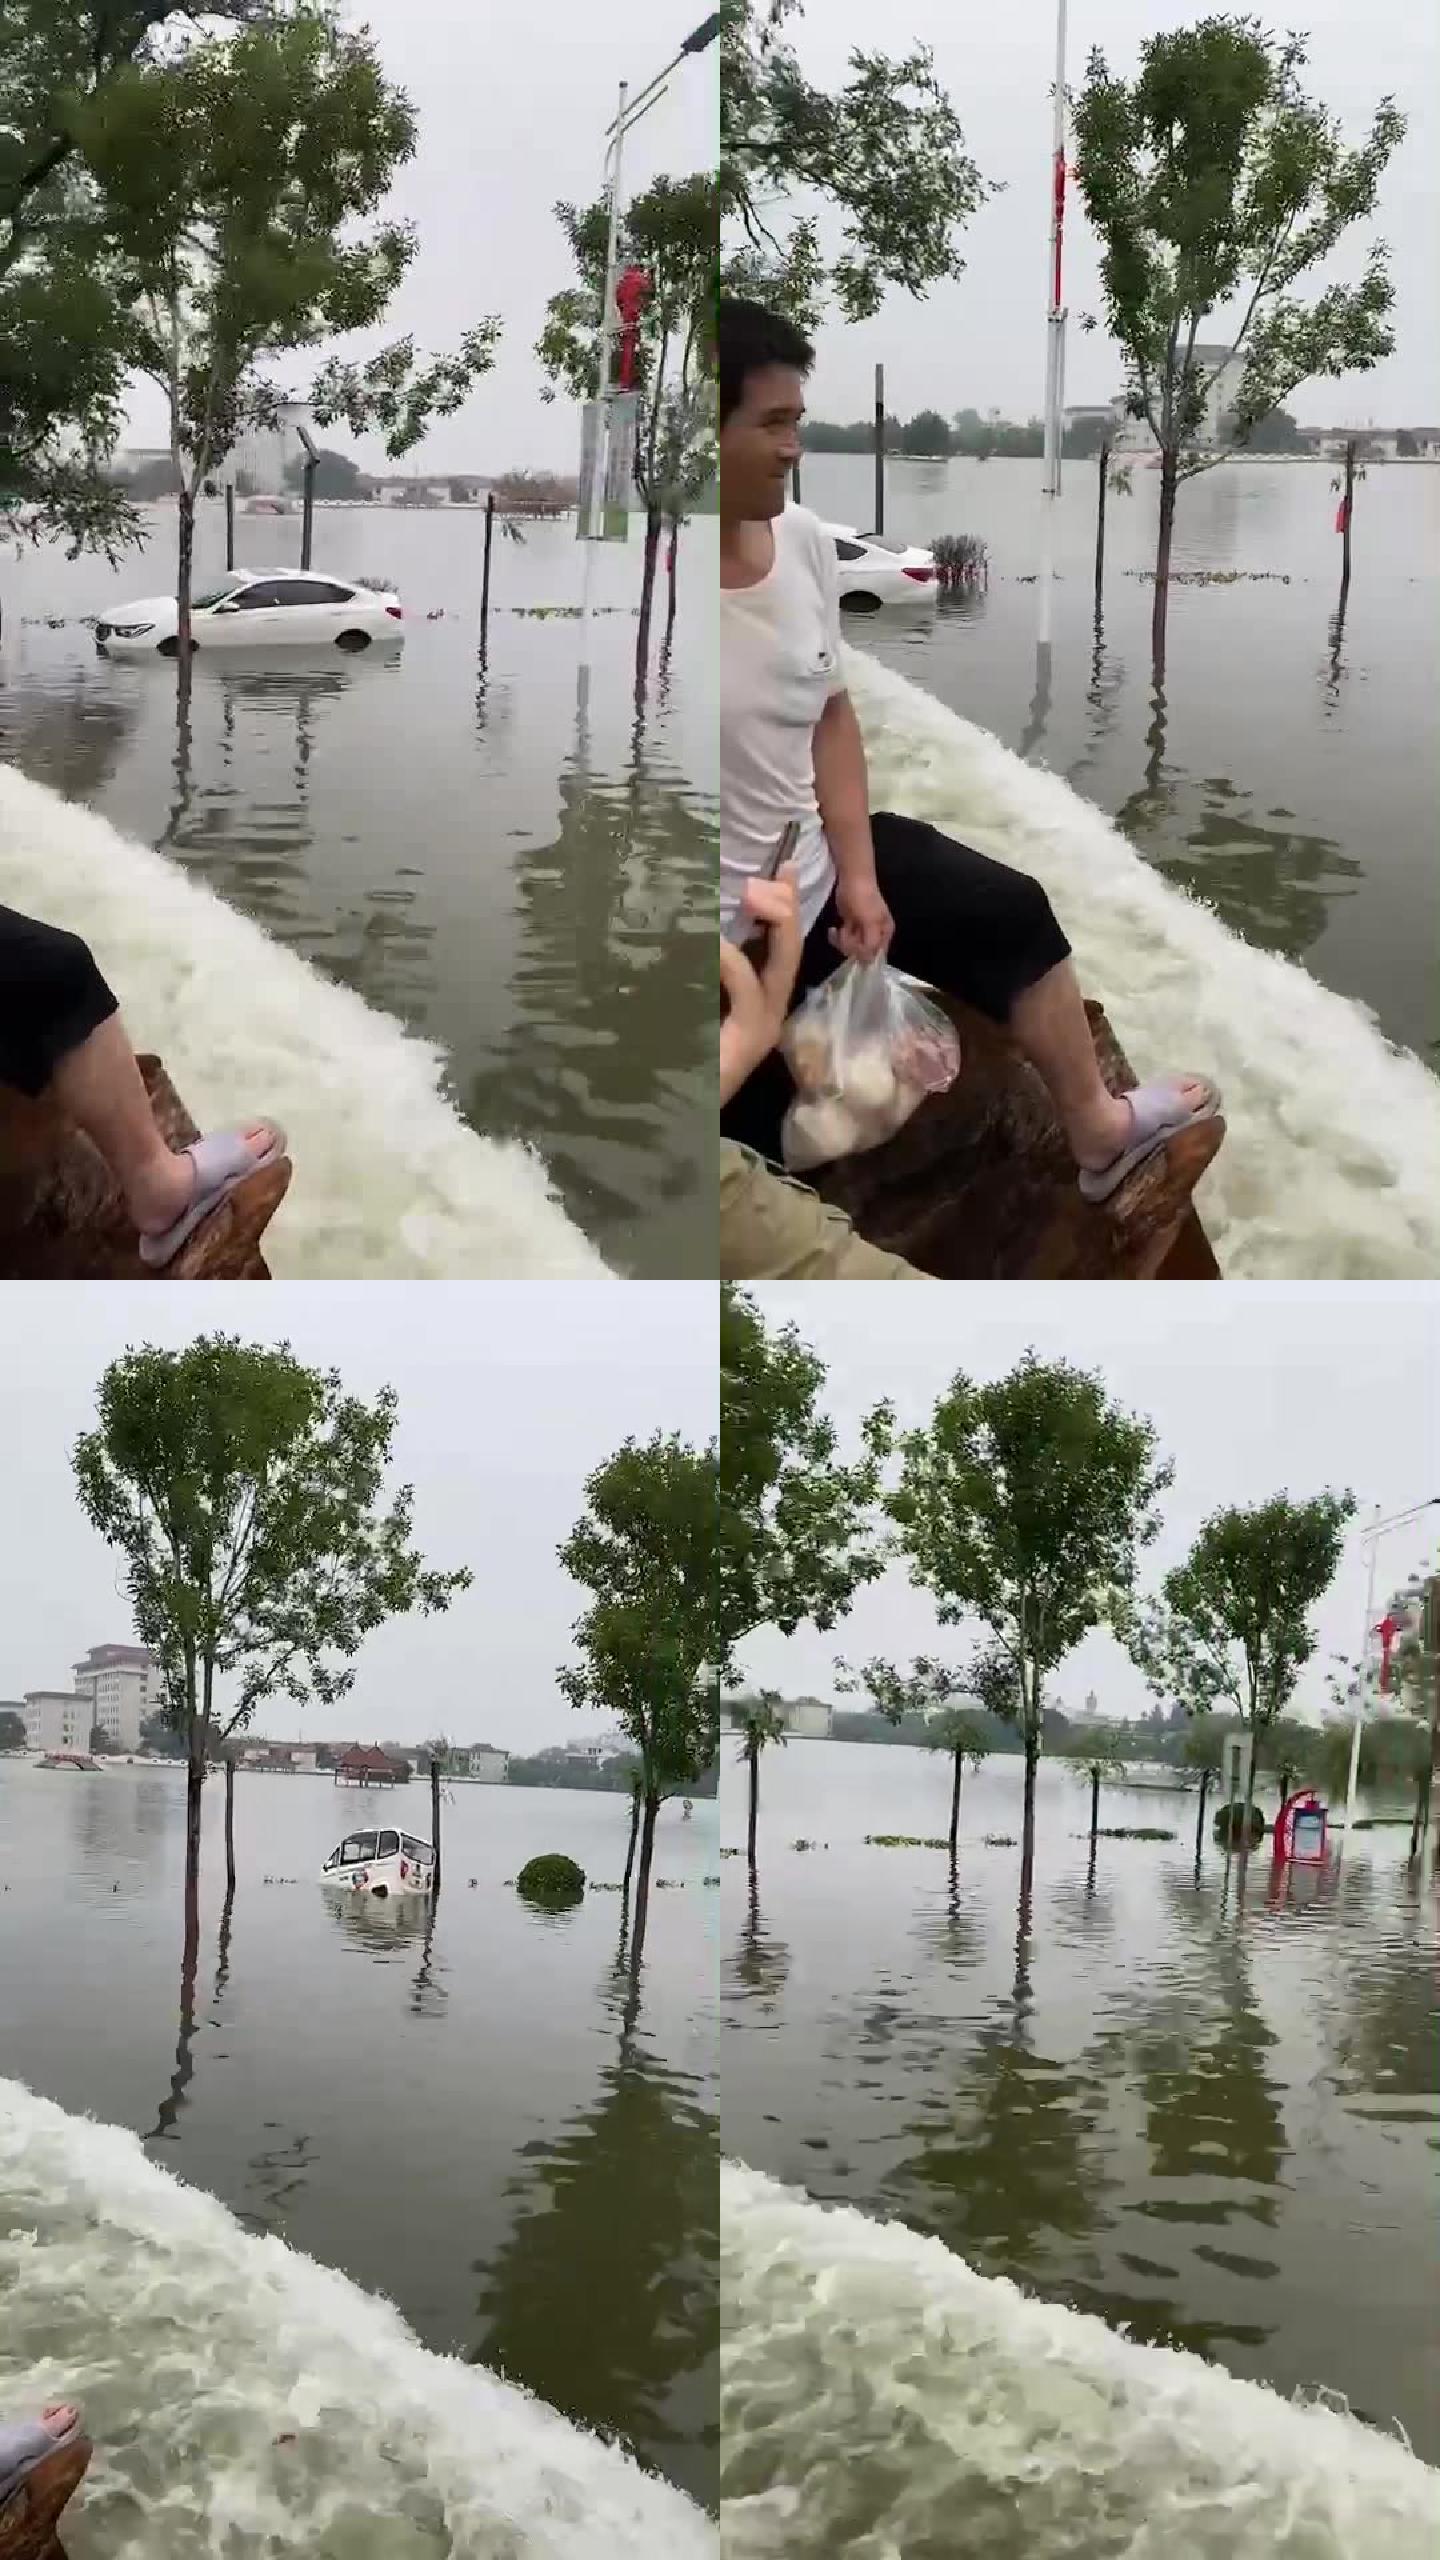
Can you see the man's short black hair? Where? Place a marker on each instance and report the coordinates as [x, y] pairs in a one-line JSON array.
[[750, 337]]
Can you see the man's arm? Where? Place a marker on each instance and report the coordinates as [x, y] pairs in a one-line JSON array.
[[842, 791]]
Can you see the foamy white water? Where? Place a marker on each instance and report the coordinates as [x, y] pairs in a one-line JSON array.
[[881, 2400], [194, 2344], [1331, 1165], [389, 1182]]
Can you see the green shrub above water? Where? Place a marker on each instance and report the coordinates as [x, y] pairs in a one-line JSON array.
[[553, 1880]]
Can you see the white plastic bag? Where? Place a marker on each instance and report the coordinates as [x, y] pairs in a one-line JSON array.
[[864, 1049]]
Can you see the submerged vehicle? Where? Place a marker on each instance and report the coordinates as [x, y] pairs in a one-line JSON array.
[[258, 609], [383, 1863]]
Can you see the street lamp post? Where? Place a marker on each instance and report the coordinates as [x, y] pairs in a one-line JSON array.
[[627, 115], [1371, 1537]]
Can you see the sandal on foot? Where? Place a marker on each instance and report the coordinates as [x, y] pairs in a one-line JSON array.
[[23, 2448], [222, 1162], [1158, 1112]]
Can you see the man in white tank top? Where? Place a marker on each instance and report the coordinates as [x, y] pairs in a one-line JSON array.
[[791, 755]]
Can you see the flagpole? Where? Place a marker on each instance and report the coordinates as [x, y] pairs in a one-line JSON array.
[[1054, 333]]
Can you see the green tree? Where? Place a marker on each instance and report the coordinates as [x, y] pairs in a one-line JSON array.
[[797, 1535], [761, 1721], [1098, 1754], [645, 1548], [231, 176], [1406, 448], [1023, 1503], [99, 1739], [244, 1495], [159, 1732], [1213, 182], [926, 432], [669, 232], [932, 1690], [886, 151], [12, 1729], [1276, 433], [62, 319], [1232, 1623]]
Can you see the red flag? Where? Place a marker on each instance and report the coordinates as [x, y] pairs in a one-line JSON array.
[[1387, 1631], [1342, 515]]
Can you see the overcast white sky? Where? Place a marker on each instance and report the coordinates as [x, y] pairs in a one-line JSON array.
[[980, 343], [508, 1397], [1252, 1389], [512, 113]]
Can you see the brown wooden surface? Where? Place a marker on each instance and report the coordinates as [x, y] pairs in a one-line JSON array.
[[28, 2520], [61, 1217], [980, 1184]]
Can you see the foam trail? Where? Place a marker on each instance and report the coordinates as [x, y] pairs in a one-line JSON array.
[[193, 2344], [389, 1182], [1331, 1163], [881, 2399]]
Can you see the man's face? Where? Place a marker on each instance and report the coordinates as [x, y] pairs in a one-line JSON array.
[[760, 443]]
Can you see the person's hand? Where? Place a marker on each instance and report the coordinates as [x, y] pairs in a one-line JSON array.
[[866, 924], [759, 997]]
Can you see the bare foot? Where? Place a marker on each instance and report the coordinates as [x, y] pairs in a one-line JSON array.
[[163, 1191]]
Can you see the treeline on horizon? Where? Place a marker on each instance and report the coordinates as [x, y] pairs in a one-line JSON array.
[[1393, 1746], [929, 436]]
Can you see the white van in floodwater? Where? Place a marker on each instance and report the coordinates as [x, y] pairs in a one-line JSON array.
[[382, 1863]]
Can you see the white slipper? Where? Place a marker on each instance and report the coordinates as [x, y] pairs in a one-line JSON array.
[[222, 1161], [1158, 1113]]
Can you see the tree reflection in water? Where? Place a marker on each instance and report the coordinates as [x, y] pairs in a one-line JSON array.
[[602, 2296]]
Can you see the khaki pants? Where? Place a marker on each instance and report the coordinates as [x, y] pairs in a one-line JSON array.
[[774, 1229]]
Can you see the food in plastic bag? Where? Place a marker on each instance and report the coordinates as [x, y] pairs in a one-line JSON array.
[[864, 1049]]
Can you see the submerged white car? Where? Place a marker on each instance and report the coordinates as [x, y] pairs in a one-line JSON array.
[[385, 1864], [874, 572], [258, 609]]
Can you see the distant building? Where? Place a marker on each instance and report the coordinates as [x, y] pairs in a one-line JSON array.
[[595, 1752], [362, 1765], [1224, 390], [808, 1719], [122, 1683], [57, 1720], [481, 1760]]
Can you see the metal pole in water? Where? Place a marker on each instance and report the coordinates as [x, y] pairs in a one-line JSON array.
[[435, 1826], [1054, 336], [229, 524], [879, 448]]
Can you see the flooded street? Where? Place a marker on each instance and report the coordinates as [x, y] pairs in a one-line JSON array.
[[1213, 2124], [1284, 774], [512, 862], [488, 2123]]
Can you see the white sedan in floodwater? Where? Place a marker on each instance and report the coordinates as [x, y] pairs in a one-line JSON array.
[[258, 609], [874, 572]]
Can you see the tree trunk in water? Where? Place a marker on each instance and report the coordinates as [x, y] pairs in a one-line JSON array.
[[647, 599], [1094, 1807], [642, 1880], [1027, 1834], [955, 1805], [229, 1826], [634, 1835], [753, 1756], [672, 557], [194, 1783], [1200, 1818], [184, 575], [1249, 1801], [1349, 505], [435, 1828], [1100, 525], [1169, 487]]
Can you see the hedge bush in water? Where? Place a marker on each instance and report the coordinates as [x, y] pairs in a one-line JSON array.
[[551, 1879]]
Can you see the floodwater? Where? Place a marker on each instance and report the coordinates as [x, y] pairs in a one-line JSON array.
[[1210, 2121], [1284, 774], [508, 857], [491, 2125]]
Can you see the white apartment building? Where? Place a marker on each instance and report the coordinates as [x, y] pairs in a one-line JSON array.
[[808, 1719], [482, 1760], [122, 1684], [57, 1720]]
